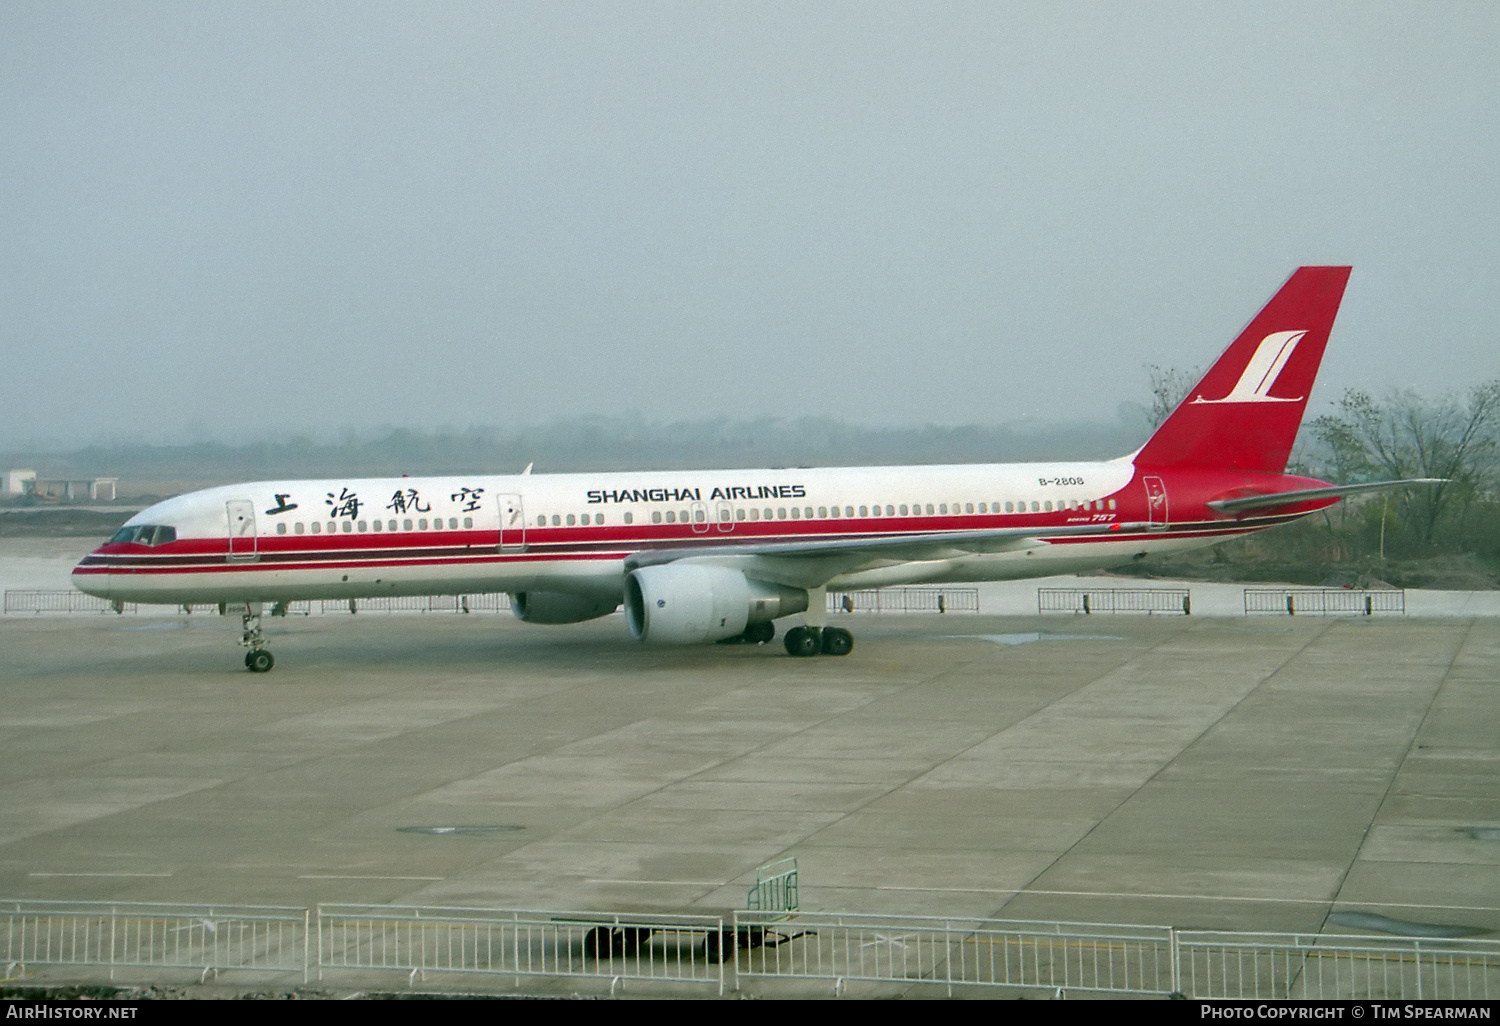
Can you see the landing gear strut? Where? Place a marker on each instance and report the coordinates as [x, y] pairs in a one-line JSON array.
[[810, 641], [259, 659]]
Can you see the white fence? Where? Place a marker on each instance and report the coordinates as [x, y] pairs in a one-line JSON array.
[[17, 601], [1323, 601], [955, 952], [905, 600], [204, 938], [354, 942], [419, 941], [1114, 600]]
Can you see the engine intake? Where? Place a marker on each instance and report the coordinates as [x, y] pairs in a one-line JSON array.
[[692, 603]]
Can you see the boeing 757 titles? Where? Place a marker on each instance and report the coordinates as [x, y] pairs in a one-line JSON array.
[[707, 556]]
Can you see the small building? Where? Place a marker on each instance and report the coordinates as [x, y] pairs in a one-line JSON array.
[[19, 482]]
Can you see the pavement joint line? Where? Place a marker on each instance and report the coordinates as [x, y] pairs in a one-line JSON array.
[[661, 883], [1411, 750], [1301, 648], [336, 876], [1180, 897], [101, 874]]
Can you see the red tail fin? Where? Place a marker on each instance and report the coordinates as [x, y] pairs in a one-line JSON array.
[[1245, 412]]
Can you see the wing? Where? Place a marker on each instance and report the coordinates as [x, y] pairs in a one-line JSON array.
[[812, 563]]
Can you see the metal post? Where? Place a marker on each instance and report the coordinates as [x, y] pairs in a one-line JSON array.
[[1291, 608]]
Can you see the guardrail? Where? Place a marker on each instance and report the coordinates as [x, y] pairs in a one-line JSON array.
[[773, 943], [905, 600], [31, 601], [62, 602], [958, 952], [418, 941], [1114, 600], [1323, 601], [204, 938], [1323, 967]]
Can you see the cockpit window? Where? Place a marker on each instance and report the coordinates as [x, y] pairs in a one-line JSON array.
[[145, 534]]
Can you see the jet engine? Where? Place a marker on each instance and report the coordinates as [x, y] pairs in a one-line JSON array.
[[692, 603], [559, 607]]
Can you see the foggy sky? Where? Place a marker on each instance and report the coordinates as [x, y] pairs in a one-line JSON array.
[[249, 220]]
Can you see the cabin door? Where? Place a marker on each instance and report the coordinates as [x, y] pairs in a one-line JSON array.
[[512, 523], [242, 548], [1156, 503]]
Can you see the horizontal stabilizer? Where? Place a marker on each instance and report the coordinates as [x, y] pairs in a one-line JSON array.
[[1335, 491]]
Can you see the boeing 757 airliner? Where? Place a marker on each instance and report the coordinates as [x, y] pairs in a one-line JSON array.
[[704, 556]]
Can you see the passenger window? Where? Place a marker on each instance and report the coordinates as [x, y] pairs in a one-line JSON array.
[[755, 514], [682, 516], [379, 525], [929, 509], [848, 511], [1010, 507], [571, 520], [864, 511], [281, 529], [1048, 505], [299, 527], [822, 512], [656, 516], [598, 519], [807, 512], [769, 515], [943, 508], [796, 512], [968, 507], [468, 522], [453, 523], [890, 511], [363, 524], [333, 528], [556, 520], [1111, 503], [834, 512], [629, 517], [422, 524], [739, 514], [541, 521], [903, 509], [781, 513], [983, 508], [348, 527], [671, 516], [698, 516]]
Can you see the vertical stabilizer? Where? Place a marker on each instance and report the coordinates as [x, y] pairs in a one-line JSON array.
[[1245, 413]]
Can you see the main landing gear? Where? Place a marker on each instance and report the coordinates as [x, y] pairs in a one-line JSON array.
[[811, 641], [259, 659]]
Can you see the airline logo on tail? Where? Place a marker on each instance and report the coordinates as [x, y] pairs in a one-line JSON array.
[[1262, 370]]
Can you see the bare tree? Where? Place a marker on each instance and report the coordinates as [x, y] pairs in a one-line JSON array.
[[1403, 435], [1169, 387]]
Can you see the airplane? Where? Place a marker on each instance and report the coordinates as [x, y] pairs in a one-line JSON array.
[[718, 555]]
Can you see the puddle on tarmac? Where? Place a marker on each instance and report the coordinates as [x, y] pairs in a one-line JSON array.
[[1401, 927]]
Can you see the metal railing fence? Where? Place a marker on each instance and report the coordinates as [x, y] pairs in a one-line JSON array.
[[67, 601], [773, 943], [1323, 601], [419, 941], [1114, 600], [957, 952], [205, 938], [1325, 967], [905, 600], [23, 601]]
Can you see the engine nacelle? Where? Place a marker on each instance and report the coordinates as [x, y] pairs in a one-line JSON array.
[[691, 603], [559, 607]]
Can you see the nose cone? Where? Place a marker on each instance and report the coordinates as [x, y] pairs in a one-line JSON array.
[[91, 575]]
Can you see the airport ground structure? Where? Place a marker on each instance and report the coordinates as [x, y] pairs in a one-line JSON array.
[[962, 785]]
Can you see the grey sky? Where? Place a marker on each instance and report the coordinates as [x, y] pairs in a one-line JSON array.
[[253, 219]]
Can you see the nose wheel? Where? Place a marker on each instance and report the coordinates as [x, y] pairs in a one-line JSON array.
[[259, 659]]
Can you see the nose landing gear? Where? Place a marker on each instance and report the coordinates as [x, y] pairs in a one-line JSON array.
[[259, 659]]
